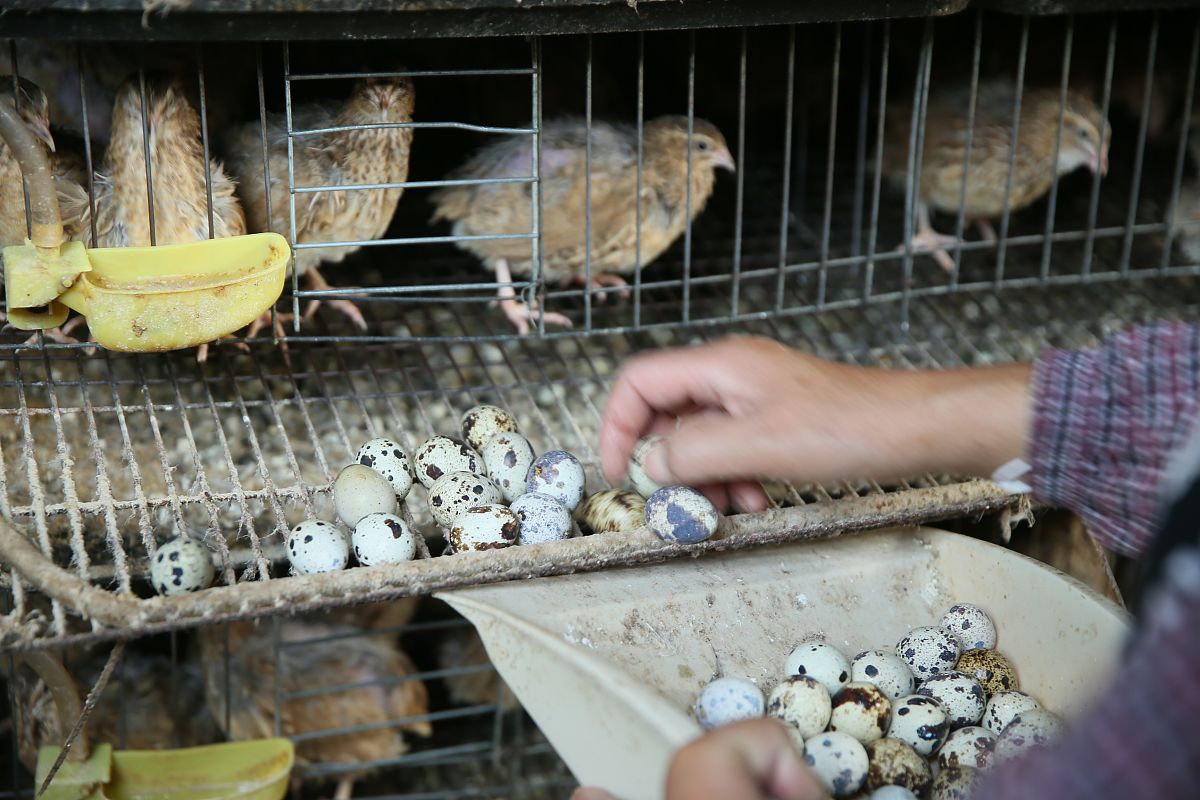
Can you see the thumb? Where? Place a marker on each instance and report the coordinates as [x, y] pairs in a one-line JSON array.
[[589, 793], [714, 449]]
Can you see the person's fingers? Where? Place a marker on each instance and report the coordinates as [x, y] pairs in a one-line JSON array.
[[591, 793], [707, 448], [748, 760], [717, 494], [747, 496]]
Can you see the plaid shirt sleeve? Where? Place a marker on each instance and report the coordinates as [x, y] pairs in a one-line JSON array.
[[1106, 421]]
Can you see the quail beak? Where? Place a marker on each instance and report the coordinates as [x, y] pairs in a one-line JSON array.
[[42, 131], [723, 159]]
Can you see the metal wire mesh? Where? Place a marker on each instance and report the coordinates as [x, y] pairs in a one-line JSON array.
[[103, 455]]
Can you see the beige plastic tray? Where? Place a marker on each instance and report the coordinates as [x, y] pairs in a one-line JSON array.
[[608, 663]]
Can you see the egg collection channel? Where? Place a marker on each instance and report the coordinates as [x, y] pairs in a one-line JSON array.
[[487, 490], [924, 719]]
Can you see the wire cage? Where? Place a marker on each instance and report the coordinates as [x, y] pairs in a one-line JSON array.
[[827, 113]]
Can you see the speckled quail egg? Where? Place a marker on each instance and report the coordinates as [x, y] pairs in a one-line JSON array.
[[920, 722], [317, 546], [990, 668], [1036, 727], [892, 793], [383, 539], [895, 763], [960, 695], [1003, 708], [802, 703], [642, 483], [971, 625], [955, 783], [487, 527], [681, 514], [886, 670], [611, 511], [928, 651], [543, 518], [507, 457], [839, 761], [821, 661], [861, 710], [180, 566], [727, 700], [481, 423], [441, 455], [358, 491], [558, 474], [455, 492], [968, 747], [389, 460]]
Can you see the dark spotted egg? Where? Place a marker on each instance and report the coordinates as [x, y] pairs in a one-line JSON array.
[[481, 423], [488, 527], [803, 704], [543, 518], [508, 457], [1004, 707], [820, 661], [455, 492], [991, 669], [180, 566], [960, 695], [383, 539], [920, 722], [886, 670], [1036, 727], [727, 700], [388, 459], [971, 625], [317, 546], [968, 747], [558, 474], [681, 514], [894, 763], [839, 762], [861, 710], [611, 511], [928, 651], [441, 455]]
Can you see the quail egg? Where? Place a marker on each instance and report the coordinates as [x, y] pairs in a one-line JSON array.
[[968, 747], [839, 761], [972, 627], [920, 722], [389, 460], [543, 518], [960, 695], [643, 484], [611, 511], [360, 490], [455, 492], [802, 703], [955, 783], [681, 514], [861, 710], [727, 700], [1004, 707], [1033, 728], [990, 668], [558, 474], [928, 651], [886, 670], [442, 455], [481, 423], [821, 661], [895, 763], [507, 457], [383, 539], [487, 527], [180, 566], [317, 546], [892, 793]]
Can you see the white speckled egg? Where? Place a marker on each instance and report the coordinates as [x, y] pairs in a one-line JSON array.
[[886, 670], [383, 539], [543, 518], [508, 457], [180, 566], [839, 762], [821, 661], [611, 511], [968, 747], [481, 423], [1003, 708], [727, 700], [928, 651], [802, 703], [955, 783], [895, 763], [861, 710], [318, 546], [892, 793], [441, 455], [558, 474], [960, 695], [455, 492], [359, 491], [1036, 727], [389, 460], [920, 722], [642, 483], [681, 514], [487, 527], [971, 625]]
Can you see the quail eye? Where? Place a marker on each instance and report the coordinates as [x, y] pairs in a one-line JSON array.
[[1083, 134], [702, 145]]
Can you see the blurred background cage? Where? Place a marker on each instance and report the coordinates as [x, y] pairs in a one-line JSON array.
[[825, 109]]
